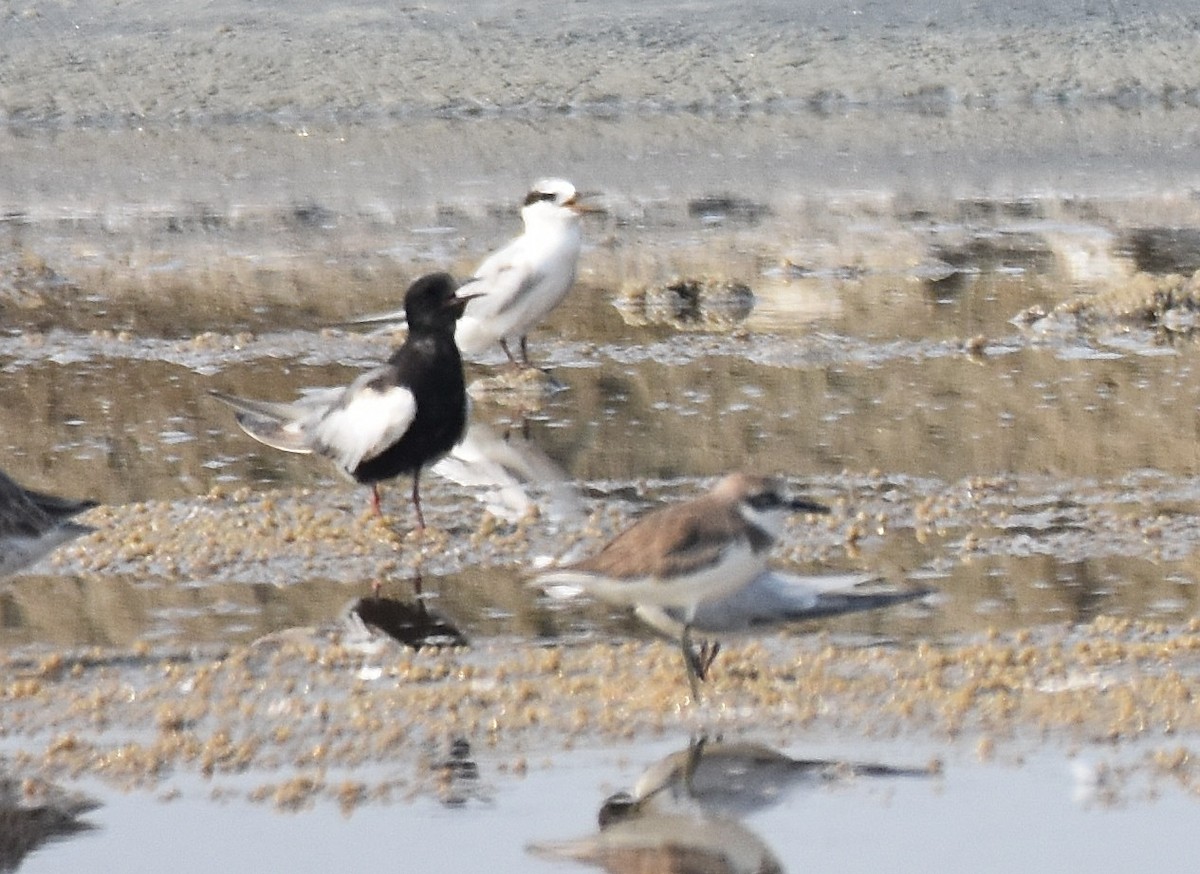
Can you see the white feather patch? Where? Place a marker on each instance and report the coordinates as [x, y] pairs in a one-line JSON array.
[[366, 423]]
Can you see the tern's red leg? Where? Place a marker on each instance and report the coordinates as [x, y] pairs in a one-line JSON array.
[[375, 499], [416, 499]]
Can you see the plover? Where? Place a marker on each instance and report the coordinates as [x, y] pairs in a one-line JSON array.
[[681, 556], [774, 598]]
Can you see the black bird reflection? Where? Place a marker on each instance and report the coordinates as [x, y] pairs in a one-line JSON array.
[[684, 813], [410, 623]]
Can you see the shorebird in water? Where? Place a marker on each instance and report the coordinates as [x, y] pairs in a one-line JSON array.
[[776, 598], [677, 558], [524, 281], [394, 419]]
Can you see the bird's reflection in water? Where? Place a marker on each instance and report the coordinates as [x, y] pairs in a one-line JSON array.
[[410, 623], [684, 813], [671, 843], [456, 775], [512, 475]]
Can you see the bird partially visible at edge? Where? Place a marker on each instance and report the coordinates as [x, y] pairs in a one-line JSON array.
[[33, 524]]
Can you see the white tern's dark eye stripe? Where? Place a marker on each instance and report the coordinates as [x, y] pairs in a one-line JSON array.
[[535, 196]]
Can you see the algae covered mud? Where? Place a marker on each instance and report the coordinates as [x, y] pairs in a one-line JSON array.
[[932, 264]]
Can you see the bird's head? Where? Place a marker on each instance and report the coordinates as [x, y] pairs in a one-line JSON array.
[[555, 198], [436, 300], [763, 501]]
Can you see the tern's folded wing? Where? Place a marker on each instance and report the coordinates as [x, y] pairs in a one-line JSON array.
[[370, 418]]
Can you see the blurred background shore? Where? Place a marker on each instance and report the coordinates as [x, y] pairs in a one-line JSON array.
[[233, 148]]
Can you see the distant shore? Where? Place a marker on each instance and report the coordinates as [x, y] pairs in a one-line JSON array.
[[110, 63], [198, 143]]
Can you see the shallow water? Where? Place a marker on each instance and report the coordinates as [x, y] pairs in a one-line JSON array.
[[971, 816], [895, 186], [1036, 479]]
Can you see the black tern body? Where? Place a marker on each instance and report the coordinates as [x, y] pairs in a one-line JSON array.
[[392, 420]]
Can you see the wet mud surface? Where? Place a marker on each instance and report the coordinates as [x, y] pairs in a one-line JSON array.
[[930, 266]]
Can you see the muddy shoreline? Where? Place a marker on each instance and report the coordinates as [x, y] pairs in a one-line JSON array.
[[193, 197], [149, 146], [265, 709]]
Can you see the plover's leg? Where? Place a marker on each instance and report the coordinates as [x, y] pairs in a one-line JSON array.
[[701, 660], [705, 658], [690, 662]]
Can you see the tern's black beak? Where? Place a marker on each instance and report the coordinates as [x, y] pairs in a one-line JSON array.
[[799, 505], [459, 302]]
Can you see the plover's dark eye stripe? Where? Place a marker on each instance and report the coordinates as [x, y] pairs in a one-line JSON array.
[[765, 500], [535, 196]]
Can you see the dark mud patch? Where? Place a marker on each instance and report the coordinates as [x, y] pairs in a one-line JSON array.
[[688, 304], [1164, 250], [1169, 304]]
